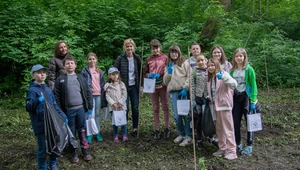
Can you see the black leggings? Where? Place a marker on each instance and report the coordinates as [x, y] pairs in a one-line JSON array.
[[240, 108]]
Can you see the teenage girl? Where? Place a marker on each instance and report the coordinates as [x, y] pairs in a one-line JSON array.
[[220, 89], [94, 76], [218, 53], [245, 96]]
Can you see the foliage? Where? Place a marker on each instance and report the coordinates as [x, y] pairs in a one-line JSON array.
[[30, 29]]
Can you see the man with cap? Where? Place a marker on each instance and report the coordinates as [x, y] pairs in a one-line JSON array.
[[35, 106]]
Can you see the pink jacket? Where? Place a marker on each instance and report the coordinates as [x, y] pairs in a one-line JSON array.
[[224, 92]]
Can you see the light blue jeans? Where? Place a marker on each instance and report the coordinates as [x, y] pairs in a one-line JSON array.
[[182, 124], [97, 107]]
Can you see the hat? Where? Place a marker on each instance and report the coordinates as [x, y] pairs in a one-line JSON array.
[[37, 68], [113, 70]]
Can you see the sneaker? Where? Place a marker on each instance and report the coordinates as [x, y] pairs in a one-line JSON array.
[[74, 158], [230, 155], [125, 138], [200, 145], [187, 141], [86, 155], [99, 137], [239, 147], [116, 139], [89, 139], [54, 167], [167, 133], [156, 135], [247, 150], [219, 153], [134, 134], [178, 139]]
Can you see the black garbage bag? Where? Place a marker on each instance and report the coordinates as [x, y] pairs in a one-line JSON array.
[[208, 125], [57, 133]]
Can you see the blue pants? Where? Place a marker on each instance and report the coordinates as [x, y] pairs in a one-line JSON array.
[[77, 122], [133, 95], [124, 129], [41, 154], [182, 123]]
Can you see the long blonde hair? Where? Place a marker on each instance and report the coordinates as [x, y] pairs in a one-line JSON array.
[[245, 62], [217, 66]]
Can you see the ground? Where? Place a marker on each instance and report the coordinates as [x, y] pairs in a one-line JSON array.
[[275, 147]]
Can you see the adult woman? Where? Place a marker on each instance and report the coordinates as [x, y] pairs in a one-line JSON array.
[[56, 67], [129, 64]]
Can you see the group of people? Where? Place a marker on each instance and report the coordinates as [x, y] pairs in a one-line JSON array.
[[230, 88]]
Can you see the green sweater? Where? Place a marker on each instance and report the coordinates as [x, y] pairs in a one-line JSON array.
[[250, 79]]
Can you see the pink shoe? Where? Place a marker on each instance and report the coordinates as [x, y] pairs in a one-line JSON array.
[[116, 139], [125, 138]]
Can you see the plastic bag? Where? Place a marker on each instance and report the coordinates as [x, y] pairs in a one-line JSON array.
[[208, 125], [91, 127], [56, 132], [106, 114], [119, 118]]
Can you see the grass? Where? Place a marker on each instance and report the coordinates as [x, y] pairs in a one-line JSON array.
[[276, 147]]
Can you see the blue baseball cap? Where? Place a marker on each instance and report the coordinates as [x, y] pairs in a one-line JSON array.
[[37, 68], [113, 70]]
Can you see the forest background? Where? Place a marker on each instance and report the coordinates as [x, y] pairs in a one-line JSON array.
[[268, 29]]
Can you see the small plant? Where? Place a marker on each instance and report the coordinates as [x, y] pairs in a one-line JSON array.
[[202, 163]]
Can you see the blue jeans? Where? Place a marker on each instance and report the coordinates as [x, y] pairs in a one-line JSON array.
[[124, 129], [97, 106], [182, 124], [77, 122], [133, 95], [41, 154]]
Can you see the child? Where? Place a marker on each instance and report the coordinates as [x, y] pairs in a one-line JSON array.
[[116, 95], [177, 76], [245, 93], [220, 89], [199, 94], [155, 69], [35, 106], [95, 80], [74, 97], [218, 53], [196, 50]]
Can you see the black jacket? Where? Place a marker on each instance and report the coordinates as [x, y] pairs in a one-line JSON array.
[[60, 92], [121, 64]]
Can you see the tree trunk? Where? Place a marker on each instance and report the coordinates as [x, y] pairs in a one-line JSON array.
[[226, 4]]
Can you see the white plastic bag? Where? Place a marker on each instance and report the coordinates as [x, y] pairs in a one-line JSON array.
[[106, 114], [91, 127], [183, 107], [149, 85], [119, 118]]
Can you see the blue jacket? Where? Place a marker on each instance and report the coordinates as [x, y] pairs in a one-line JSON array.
[[36, 108], [87, 75]]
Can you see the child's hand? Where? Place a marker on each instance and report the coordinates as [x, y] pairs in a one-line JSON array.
[[170, 67], [115, 106], [41, 99], [220, 75], [90, 112], [151, 75], [252, 106], [183, 92], [156, 76], [67, 121]]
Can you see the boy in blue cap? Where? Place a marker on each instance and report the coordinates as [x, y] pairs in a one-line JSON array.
[[35, 106]]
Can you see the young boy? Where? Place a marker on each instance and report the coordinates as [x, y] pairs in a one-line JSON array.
[[154, 69], [35, 106], [75, 99]]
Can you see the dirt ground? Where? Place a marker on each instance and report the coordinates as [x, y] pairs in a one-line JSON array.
[[275, 147]]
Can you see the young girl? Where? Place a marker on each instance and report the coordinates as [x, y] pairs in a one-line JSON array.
[[116, 95], [244, 94], [95, 79], [220, 87], [177, 76], [155, 69], [199, 94], [218, 53]]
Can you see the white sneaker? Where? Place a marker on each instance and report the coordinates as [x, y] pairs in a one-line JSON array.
[[219, 153], [178, 139], [187, 141]]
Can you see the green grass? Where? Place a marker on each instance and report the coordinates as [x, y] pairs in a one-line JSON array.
[[276, 147]]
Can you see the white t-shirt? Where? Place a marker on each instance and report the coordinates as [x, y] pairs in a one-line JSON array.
[[131, 74]]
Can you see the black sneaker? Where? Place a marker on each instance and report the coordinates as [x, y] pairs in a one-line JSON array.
[[156, 135], [167, 133], [74, 158], [86, 155], [200, 145], [134, 134]]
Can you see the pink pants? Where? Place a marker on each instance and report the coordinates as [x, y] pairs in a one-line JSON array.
[[225, 130], [163, 95]]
